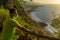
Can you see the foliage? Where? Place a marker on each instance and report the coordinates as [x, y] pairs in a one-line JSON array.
[[4, 3], [4, 13], [56, 23], [9, 3]]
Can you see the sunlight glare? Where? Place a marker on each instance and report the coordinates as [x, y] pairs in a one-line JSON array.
[[58, 1]]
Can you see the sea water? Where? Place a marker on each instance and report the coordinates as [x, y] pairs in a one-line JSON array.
[[46, 14]]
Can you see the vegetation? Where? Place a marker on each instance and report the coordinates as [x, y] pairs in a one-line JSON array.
[[56, 23]]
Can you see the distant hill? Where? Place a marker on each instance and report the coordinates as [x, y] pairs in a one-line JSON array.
[[30, 4]]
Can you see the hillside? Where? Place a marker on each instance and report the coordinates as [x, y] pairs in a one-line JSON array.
[[25, 21]]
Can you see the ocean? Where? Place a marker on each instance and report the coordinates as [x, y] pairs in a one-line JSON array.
[[46, 13]]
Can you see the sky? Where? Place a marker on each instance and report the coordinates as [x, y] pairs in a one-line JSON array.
[[44, 1], [47, 1]]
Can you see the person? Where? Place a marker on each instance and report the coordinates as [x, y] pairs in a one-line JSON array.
[[9, 26]]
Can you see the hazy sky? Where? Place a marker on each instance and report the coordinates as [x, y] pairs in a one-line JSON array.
[[47, 1]]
